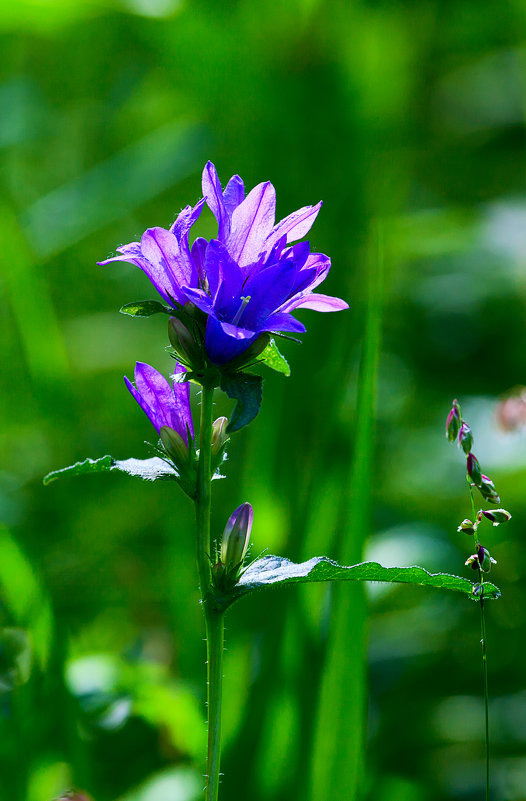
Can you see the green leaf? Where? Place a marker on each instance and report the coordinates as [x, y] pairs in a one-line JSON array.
[[247, 391], [145, 308], [271, 570], [274, 359], [148, 469]]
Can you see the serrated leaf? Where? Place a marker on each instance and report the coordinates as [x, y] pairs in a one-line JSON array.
[[272, 357], [247, 391], [145, 308], [272, 570], [147, 469]]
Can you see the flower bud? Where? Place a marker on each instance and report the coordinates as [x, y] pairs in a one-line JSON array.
[[219, 435], [497, 515], [484, 559], [236, 537], [173, 444], [487, 489], [467, 526], [472, 561], [465, 438], [473, 468], [453, 422], [182, 341], [478, 590]]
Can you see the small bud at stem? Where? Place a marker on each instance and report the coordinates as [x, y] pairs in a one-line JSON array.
[[236, 537]]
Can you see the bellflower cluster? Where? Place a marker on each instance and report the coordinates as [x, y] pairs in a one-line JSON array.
[[248, 280]]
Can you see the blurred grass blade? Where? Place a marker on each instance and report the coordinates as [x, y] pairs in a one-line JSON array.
[[115, 187], [337, 759], [32, 305], [272, 570], [24, 597]]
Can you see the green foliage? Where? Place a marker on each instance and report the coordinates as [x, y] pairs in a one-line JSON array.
[[246, 390], [272, 570], [145, 308], [147, 469], [272, 358]]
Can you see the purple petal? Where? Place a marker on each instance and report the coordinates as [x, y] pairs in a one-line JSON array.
[[317, 302], [234, 194], [237, 332], [221, 347], [283, 322], [224, 275], [198, 254], [150, 414], [252, 222], [268, 290], [157, 393], [166, 267], [199, 298], [213, 195], [296, 225], [186, 219], [182, 412]]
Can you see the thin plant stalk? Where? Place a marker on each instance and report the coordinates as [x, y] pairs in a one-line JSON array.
[[484, 658], [213, 618]]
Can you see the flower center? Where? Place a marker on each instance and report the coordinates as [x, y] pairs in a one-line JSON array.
[[242, 305]]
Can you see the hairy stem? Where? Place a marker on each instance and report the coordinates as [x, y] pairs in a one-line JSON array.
[[214, 619], [203, 499], [215, 629]]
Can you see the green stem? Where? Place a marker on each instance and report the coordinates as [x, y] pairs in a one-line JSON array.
[[215, 631], [486, 691], [203, 499], [213, 618]]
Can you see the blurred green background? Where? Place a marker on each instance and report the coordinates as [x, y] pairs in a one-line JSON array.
[[411, 113]]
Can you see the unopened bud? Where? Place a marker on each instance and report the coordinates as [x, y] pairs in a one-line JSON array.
[[453, 422], [174, 444], [497, 516], [473, 468], [182, 341], [487, 489], [219, 435], [467, 526], [473, 561], [478, 590], [236, 536], [484, 559], [465, 438]]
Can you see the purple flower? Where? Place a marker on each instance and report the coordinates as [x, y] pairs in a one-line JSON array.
[[249, 279], [164, 405]]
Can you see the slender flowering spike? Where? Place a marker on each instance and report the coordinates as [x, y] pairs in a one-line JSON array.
[[249, 279], [487, 489], [467, 527], [453, 422], [465, 438], [164, 405], [474, 471], [497, 516], [236, 537]]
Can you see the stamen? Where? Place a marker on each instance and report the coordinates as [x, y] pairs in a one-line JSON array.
[[243, 304]]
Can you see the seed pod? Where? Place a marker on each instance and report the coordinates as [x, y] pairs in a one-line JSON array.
[[473, 468], [465, 438], [453, 422], [467, 527], [487, 489], [497, 516]]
